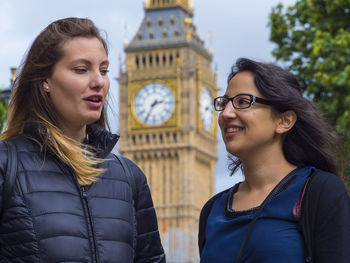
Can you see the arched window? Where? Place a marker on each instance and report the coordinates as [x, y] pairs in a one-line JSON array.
[[165, 33], [172, 20], [160, 21], [150, 59], [137, 62], [148, 22], [171, 59], [151, 35]]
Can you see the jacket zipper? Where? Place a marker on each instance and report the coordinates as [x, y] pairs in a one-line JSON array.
[[90, 224], [87, 212]]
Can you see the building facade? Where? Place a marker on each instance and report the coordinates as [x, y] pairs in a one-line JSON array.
[[166, 120]]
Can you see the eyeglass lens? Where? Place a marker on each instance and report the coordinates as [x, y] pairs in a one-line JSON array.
[[238, 102]]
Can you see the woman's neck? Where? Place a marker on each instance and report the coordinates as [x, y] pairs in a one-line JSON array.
[[77, 134], [265, 170]]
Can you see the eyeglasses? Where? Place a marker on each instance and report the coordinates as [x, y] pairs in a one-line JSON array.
[[240, 101]]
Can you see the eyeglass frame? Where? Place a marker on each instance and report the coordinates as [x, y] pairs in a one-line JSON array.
[[253, 99]]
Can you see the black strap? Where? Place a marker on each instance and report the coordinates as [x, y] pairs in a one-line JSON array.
[[132, 183], [129, 176], [11, 171], [306, 210], [279, 188]]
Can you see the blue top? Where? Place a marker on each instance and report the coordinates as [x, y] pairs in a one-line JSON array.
[[275, 237]]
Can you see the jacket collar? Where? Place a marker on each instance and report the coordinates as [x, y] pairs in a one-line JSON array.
[[101, 140]]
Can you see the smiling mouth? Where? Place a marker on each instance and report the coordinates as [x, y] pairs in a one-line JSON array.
[[234, 129]]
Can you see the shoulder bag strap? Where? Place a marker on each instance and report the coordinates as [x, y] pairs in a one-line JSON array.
[[131, 180], [11, 171], [306, 209], [280, 187], [129, 176]]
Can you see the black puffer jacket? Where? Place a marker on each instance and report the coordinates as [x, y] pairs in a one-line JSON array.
[[50, 218]]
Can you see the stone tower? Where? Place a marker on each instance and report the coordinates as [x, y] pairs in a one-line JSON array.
[[167, 123]]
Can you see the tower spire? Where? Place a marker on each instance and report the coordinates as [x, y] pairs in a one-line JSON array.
[[162, 4], [13, 74]]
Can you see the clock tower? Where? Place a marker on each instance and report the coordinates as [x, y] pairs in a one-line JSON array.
[[167, 123]]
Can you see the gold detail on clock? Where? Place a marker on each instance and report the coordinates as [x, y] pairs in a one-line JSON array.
[[153, 106]]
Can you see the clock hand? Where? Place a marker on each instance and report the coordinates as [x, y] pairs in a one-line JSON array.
[[149, 113], [150, 110], [154, 104], [152, 107]]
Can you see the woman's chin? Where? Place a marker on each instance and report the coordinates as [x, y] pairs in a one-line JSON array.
[[232, 149], [92, 119]]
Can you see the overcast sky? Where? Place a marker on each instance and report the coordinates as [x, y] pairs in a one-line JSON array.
[[239, 29]]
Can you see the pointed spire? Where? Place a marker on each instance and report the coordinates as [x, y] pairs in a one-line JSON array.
[[162, 4], [13, 75]]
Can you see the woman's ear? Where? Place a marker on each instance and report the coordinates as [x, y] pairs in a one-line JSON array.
[[286, 121]]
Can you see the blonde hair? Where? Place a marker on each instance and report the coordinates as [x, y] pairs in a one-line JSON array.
[[30, 104]]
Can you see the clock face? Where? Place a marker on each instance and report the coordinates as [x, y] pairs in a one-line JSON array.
[[206, 108], [154, 104]]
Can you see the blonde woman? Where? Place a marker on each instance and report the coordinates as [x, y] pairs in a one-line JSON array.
[[71, 201]]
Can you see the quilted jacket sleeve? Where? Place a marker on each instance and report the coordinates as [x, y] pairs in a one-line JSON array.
[[148, 245], [3, 162]]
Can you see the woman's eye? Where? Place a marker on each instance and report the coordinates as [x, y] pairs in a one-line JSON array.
[[80, 70], [223, 102], [243, 101], [104, 71]]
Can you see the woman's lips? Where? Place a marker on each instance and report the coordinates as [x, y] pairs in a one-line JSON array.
[[232, 131], [94, 101], [94, 104]]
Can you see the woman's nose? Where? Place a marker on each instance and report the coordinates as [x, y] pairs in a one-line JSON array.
[[229, 111], [98, 80]]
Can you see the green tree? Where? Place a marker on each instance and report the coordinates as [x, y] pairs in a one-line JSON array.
[[313, 42]]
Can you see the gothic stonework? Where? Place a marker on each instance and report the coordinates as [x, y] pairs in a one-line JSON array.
[[167, 124]]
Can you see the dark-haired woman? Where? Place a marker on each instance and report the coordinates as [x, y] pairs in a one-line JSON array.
[[291, 207], [71, 200]]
